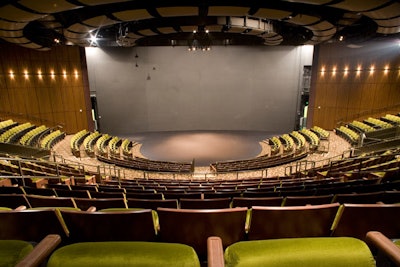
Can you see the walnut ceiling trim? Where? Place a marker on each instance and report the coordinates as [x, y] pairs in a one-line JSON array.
[[46, 23]]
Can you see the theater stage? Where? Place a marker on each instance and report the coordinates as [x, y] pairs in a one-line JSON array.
[[204, 147]]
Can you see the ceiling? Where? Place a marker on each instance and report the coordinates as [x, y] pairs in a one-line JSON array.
[[42, 24]]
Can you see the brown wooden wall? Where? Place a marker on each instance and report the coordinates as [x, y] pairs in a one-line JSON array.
[[57, 97], [354, 83]]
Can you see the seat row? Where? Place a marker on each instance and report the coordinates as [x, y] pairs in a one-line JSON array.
[[193, 227]]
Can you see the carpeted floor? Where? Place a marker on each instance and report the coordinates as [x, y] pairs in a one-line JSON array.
[[204, 147]]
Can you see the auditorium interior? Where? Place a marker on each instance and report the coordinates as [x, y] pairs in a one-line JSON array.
[[199, 133]]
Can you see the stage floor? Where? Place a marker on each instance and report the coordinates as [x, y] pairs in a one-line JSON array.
[[204, 147]]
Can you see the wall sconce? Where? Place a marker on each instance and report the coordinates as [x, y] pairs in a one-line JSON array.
[[52, 74], [65, 74], [76, 74], [26, 74], [12, 76], [40, 74], [322, 71], [358, 71], [346, 71], [386, 69], [334, 71], [372, 69]]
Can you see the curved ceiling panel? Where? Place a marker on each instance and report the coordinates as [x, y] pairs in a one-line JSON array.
[[39, 24], [132, 15], [178, 11], [48, 6], [228, 11]]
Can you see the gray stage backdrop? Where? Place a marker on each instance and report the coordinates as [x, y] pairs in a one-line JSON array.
[[172, 89]]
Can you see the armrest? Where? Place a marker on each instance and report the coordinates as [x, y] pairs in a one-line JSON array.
[[91, 209], [215, 252], [40, 252], [384, 246]]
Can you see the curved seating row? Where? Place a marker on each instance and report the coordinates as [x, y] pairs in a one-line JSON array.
[[193, 227], [148, 165]]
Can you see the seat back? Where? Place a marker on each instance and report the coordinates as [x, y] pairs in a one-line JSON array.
[[193, 227], [13, 201], [100, 203], [130, 225], [45, 201], [359, 198], [290, 222], [308, 200], [212, 203], [152, 203], [355, 220], [29, 225], [256, 201]]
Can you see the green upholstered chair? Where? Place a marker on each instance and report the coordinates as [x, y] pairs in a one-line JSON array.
[[28, 236], [288, 252], [121, 254]]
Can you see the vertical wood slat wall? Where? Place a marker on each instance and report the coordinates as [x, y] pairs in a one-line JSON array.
[[57, 97], [354, 83]]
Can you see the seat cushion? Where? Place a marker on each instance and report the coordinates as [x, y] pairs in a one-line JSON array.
[[12, 251], [307, 252], [102, 254]]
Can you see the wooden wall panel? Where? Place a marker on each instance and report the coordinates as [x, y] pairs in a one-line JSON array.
[[354, 84], [49, 93]]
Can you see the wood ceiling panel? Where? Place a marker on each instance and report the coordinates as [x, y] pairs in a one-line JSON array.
[[133, 14], [48, 6], [265, 13], [13, 13], [178, 11], [228, 11], [100, 21]]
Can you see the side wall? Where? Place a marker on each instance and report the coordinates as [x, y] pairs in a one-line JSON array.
[[47, 88], [172, 89], [354, 83]]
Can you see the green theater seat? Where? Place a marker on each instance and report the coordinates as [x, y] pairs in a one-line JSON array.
[[21, 253], [105, 254], [299, 252], [13, 251]]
